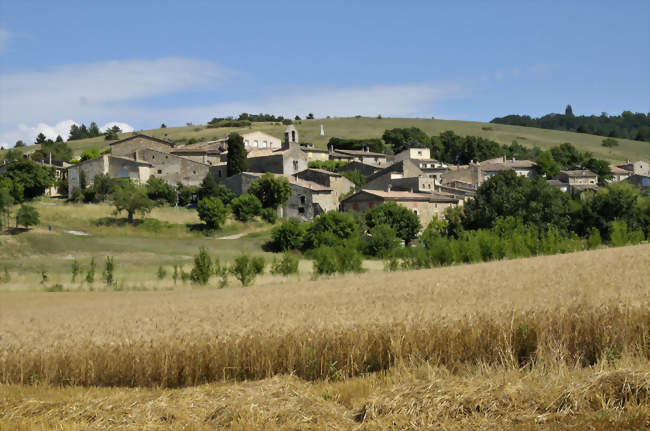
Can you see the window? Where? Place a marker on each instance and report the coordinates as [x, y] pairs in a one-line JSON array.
[[295, 165], [246, 142], [194, 172], [159, 171], [302, 200], [355, 206], [263, 144], [219, 173], [419, 153], [371, 204], [255, 144], [301, 210], [153, 157], [310, 155], [415, 212]]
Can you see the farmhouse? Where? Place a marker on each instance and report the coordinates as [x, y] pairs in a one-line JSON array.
[[489, 168], [425, 205], [173, 168], [364, 156], [113, 166], [333, 180], [577, 177], [421, 157], [619, 174], [639, 167]]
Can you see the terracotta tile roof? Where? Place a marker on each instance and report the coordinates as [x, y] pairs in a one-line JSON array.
[[507, 165], [359, 153], [410, 196], [618, 170]]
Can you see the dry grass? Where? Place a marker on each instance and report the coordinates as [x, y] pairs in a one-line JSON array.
[[555, 342]]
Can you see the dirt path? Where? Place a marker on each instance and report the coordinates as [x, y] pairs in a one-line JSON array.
[[236, 236]]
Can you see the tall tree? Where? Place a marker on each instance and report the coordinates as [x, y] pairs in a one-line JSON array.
[[40, 139], [93, 130], [237, 160], [271, 191]]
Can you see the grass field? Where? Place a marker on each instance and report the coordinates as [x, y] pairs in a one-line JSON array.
[[309, 131], [554, 342]]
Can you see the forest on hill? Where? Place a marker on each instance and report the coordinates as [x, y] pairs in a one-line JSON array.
[[628, 125]]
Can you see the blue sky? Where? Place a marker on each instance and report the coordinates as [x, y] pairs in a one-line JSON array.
[[142, 63]]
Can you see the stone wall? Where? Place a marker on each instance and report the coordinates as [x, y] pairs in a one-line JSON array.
[[128, 146], [174, 169]]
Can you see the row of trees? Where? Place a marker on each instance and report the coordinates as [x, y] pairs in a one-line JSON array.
[[628, 125]]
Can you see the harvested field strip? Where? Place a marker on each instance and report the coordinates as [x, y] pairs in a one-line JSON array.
[[405, 399], [576, 335]]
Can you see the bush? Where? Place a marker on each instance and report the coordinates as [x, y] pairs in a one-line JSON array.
[[381, 241], [246, 207], [341, 259], [246, 268], [161, 272], [287, 236], [331, 229], [269, 215], [270, 190], [186, 194], [618, 233], [109, 271], [404, 222], [285, 266], [202, 267], [212, 212], [593, 238]]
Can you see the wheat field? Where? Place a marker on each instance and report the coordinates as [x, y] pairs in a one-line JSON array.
[[553, 342]]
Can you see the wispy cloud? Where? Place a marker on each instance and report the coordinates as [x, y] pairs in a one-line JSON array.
[[31, 101]]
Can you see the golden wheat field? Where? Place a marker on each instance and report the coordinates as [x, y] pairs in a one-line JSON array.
[[554, 342]]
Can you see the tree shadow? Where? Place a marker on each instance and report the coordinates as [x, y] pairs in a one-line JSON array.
[[201, 228], [14, 230]]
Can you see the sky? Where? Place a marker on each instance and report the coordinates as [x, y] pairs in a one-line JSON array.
[[142, 63]]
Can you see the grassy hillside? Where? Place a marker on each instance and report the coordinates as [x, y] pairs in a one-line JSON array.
[[309, 131], [542, 343]]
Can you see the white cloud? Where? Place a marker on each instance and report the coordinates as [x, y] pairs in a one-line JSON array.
[[387, 100], [28, 134], [96, 90]]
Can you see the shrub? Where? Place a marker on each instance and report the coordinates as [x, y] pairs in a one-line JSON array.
[[90, 275], [161, 273], [246, 268], [288, 235], [618, 233], [341, 259], [221, 271], [593, 238], [109, 270], [285, 266], [6, 278], [202, 267], [636, 236], [269, 215], [381, 241], [212, 212], [246, 207], [175, 274]]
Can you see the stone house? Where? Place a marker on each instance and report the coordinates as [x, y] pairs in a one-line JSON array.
[[128, 146], [315, 154], [639, 167], [173, 168], [364, 156], [639, 180], [207, 156], [107, 164], [308, 199], [287, 160], [333, 180], [363, 169], [468, 174], [619, 174], [256, 139], [490, 168], [425, 205], [577, 177], [421, 157], [381, 179]]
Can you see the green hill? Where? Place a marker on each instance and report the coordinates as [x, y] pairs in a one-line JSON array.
[[309, 131]]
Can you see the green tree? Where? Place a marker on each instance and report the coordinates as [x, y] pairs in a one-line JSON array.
[[402, 138], [132, 200], [237, 159], [40, 139], [27, 216], [203, 268], [600, 168], [112, 133], [246, 207], [286, 266], [355, 177], [90, 275], [15, 189], [330, 229], [404, 222], [546, 165], [508, 194], [382, 241], [210, 189], [13, 155], [109, 271], [19, 144], [272, 191], [93, 130], [32, 177], [212, 212]]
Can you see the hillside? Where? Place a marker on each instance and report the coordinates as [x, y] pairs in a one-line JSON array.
[[365, 127]]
